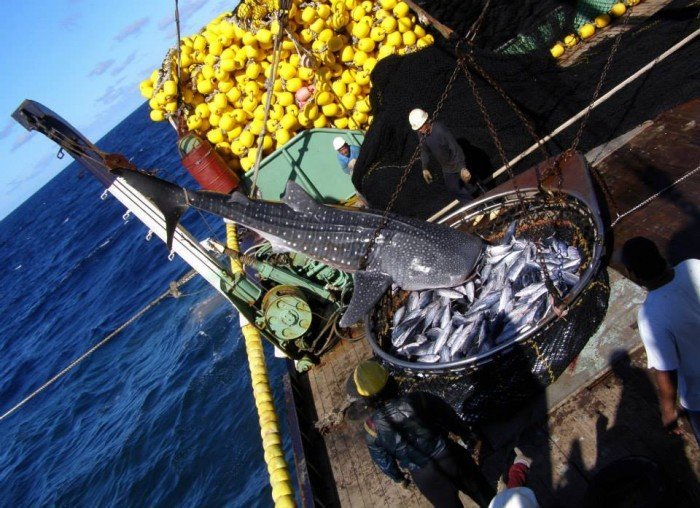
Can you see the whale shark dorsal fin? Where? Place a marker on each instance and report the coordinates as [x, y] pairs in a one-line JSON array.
[[369, 287], [239, 197], [296, 198]]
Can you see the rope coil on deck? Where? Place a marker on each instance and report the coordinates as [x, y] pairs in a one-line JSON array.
[[280, 479]]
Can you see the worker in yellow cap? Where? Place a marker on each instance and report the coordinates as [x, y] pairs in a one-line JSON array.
[[409, 433]]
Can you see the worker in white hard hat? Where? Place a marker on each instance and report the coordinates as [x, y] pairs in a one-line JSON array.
[[347, 154], [439, 142], [407, 438]]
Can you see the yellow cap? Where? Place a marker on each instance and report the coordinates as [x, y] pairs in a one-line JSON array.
[[370, 378]]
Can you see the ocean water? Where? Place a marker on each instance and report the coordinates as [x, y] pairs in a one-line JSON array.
[[163, 415]]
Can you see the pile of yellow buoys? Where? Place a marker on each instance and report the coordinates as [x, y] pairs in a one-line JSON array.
[[328, 50], [587, 30]]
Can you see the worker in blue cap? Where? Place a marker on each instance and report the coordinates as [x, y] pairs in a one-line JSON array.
[[407, 438]]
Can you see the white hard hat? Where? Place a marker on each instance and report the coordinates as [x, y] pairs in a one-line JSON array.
[[338, 143], [417, 118], [518, 497]]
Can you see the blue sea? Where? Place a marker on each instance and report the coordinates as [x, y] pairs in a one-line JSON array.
[[163, 414]]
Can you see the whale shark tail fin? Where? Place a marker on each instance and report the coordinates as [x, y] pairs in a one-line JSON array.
[[169, 198]]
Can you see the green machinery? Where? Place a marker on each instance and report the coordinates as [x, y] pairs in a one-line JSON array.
[[296, 301]]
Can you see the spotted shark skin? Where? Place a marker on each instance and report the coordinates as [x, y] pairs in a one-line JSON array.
[[411, 253]]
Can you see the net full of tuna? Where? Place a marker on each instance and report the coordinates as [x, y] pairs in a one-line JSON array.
[[543, 250]]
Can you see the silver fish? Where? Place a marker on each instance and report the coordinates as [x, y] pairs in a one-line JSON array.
[[417, 341], [453, 336], [442, 339], [412, 303], [464, 337], [452, 294], [498, 250], [398, 315], [431, 312], [425, 298], [530, 290], [469, 291], [445, 317], [404, 330], [433, 333]]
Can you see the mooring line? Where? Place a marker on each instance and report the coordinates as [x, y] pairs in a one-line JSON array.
[[94, 348]]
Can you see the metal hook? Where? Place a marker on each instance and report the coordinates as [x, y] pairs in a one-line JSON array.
[[127, 215], [60, 153], [104, 195], [149, 235], [171, 256]]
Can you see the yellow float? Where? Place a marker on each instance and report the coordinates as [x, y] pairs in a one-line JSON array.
[[328, 50]]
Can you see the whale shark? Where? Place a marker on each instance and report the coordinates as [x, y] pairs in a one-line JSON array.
[[410, 253]]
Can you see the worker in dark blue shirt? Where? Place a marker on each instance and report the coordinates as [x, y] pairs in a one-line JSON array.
[[439, 142], [347, 154]]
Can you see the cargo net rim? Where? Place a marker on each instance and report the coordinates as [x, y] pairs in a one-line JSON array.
[[482, 207]]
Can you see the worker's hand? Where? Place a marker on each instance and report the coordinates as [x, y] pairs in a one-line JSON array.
[[427, 176], [465, 175], [351, 164]]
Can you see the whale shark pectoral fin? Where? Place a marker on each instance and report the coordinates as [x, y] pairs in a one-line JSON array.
[[296, 198], [239, 197], [369, 287]]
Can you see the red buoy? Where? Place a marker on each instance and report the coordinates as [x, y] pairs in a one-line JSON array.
[[205, 165]]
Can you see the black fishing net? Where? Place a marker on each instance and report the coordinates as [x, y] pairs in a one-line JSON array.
[[547, 94], [520, 26], [498, 381]]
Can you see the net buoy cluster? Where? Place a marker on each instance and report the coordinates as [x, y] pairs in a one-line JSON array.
[[328, 50], [587, 30]]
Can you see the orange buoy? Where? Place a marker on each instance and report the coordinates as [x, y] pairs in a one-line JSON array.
[[205, 165]]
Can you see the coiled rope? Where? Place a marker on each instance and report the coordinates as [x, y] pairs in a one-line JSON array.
[[172, 291]]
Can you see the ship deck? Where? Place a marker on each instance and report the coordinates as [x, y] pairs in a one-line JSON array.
[[603, 408]]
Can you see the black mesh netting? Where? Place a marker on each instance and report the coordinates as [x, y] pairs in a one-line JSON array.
[[494, 383], [547, 94], [505, 22]]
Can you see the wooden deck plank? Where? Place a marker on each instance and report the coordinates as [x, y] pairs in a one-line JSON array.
[[652, 161]]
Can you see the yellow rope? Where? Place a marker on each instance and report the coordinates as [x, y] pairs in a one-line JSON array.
[[280, 480]]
